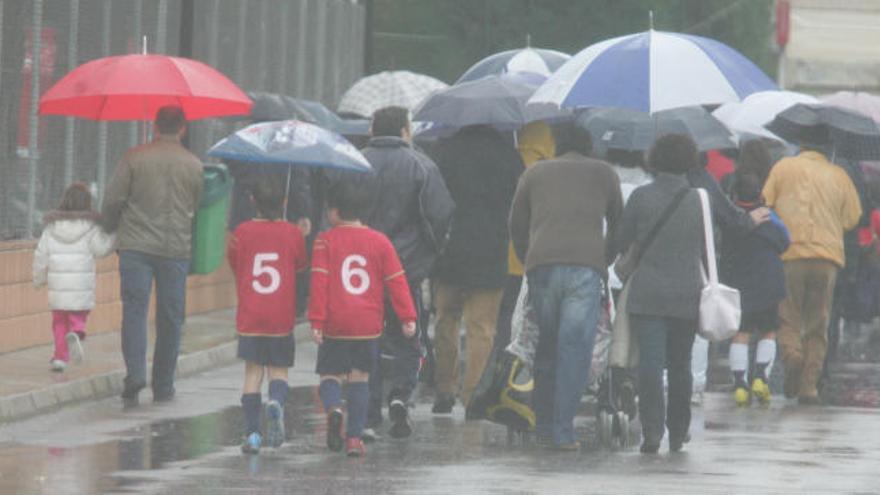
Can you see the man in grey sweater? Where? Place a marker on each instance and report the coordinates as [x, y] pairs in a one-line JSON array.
[[562, 211]]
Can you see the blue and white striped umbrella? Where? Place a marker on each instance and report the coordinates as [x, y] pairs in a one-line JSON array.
[[534, 60], [653, 71], [291, 142]]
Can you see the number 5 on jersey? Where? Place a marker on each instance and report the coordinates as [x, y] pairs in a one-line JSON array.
[[261, 268], [353, 271]]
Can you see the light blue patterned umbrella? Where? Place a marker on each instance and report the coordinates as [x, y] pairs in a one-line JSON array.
[[291, 142]]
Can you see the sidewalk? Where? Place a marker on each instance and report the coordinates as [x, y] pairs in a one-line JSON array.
[[28, 387]]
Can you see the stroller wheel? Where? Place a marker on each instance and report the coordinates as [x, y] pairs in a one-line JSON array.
[[623, 429]]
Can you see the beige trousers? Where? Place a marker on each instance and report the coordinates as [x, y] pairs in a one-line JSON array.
[[479, 309], [803, 335]]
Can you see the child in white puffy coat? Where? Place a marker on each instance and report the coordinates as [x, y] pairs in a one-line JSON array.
[[65, 259]]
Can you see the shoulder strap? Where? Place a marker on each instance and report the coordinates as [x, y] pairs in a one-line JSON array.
[[709, 235], [664, 217]]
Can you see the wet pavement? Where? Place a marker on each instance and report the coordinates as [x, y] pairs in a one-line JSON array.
[[191, 446]]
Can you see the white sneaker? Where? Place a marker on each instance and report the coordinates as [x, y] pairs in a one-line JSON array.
[[75, 347], [58, 365]]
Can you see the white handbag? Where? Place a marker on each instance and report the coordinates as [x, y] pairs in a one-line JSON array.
[[720, 309], [624, 352]]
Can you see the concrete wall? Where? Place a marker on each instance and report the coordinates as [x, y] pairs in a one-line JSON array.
[[834, 45], [25, 318]]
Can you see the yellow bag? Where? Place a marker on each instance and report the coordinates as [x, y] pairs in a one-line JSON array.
[[514, 408]]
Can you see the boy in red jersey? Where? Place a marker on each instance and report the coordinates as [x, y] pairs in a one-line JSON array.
[[265, 254], [353, 267]]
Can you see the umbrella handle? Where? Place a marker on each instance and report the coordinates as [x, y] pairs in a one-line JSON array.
[[287, 192]]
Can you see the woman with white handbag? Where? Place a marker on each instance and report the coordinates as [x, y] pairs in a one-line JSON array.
[[664, 290]]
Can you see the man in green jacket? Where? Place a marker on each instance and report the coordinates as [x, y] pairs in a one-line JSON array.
[[150, 203]]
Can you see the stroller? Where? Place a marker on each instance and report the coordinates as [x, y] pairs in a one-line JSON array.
[[617, 395], [504, 393]]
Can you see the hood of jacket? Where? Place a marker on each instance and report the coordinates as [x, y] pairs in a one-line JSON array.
[[70, 230], [535, 143]]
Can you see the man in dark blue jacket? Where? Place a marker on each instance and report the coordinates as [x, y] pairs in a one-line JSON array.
[[413, 207]]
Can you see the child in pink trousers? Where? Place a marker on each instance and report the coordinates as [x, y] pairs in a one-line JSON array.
[[65, 260]]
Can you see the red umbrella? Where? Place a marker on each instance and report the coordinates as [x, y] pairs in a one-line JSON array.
[[134, 87]]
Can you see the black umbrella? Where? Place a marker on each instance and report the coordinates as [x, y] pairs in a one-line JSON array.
[[626, 129], [493, 100], [849, 134]]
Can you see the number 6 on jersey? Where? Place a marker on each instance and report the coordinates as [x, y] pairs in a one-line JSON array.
[[349, 275]]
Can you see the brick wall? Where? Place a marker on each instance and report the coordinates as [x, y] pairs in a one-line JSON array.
[[25, 318]]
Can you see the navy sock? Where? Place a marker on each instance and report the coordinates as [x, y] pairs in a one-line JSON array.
[[278, 391], [358, 395], [761, 371], [331, 394], [251, 405]]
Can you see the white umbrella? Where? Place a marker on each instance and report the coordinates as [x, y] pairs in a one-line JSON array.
[[533, 60], [864, 103], [749, 116], [390, 88]]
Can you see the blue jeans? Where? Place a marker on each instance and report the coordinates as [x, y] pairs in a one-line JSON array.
[[137, 271], [566, 303], [407, 356], [664, 342]]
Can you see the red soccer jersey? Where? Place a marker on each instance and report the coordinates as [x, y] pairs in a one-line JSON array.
[[352, 268], [265, 256]]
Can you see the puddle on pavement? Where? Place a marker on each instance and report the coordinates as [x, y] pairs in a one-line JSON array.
[[87, 469], [132, 461]]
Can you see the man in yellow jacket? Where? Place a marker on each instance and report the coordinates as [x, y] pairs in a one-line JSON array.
[[818, 203], [535, 143]]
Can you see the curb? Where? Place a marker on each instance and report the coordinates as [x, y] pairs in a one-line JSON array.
[[54, 397], [45, 400]]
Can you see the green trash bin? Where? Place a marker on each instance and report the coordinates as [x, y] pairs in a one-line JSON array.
[[209, 226]]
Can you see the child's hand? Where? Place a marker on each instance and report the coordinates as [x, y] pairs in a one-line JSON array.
[[760, 215], [409, 329], [318, 336], [305, 225]]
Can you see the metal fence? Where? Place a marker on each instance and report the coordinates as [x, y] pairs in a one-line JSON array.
[[306, 48]]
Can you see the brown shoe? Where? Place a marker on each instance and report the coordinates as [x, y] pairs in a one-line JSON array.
[[792, 385], [565, 447], [809, 381]]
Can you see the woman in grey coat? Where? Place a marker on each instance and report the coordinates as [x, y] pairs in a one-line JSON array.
[[664, 292]]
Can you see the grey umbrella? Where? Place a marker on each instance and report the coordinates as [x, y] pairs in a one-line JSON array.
[[626, 129], [274, 107]]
